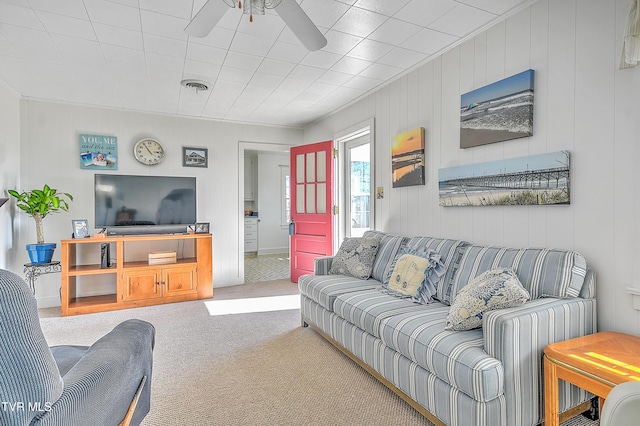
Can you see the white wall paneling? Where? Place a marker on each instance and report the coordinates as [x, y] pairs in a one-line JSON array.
[[50, 154], [583, 103], [9, 172]]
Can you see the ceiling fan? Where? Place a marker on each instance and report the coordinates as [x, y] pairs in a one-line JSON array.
[[289, 10]]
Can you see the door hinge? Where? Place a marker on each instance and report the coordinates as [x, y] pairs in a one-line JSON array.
[[335, 210], [334, 152]]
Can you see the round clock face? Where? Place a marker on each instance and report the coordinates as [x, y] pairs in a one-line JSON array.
[[148, 152]]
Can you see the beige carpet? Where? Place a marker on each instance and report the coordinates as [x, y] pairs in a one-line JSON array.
[[245, 369]]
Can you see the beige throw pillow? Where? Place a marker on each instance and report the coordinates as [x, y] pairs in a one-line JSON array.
[[408, 275]]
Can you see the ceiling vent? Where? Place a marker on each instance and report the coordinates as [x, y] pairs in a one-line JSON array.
[[197, 85]]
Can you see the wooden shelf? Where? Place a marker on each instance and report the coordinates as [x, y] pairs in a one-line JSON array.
[[136, 283], [145, 264], [94, 301], [94, 269]]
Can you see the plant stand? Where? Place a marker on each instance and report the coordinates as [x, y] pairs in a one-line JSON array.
[[33, 270]]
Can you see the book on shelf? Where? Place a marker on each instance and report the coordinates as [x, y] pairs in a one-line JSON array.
[[162, 257]]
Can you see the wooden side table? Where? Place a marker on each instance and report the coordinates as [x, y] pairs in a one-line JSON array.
[[596, 363]]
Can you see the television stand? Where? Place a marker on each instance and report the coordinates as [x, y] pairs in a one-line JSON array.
[[133, 282]]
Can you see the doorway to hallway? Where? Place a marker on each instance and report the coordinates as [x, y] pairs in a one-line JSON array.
[[264, 224]]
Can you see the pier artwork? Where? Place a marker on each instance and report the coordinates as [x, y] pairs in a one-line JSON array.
[[509, 182]]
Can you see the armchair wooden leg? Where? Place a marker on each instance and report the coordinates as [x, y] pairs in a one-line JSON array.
[[134, 403]]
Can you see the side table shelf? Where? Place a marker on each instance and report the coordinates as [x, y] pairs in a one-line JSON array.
[[133, 282], [33, 270]]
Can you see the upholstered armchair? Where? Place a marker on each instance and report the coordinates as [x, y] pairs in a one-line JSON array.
[[108, 383], [622, 406]]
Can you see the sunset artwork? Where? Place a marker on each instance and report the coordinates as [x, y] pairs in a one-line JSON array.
[[407, 158]]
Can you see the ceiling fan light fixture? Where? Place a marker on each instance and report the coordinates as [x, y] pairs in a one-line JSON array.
[[253, 7], [289, 10]]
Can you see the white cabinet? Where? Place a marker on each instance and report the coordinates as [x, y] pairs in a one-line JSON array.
[[250, 234], [249, 178]]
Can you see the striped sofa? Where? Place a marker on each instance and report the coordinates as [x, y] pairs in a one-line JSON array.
[[490, 376]]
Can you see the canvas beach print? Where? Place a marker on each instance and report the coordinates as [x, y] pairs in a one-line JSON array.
[[498, 112], [98, 152], [407, 158], [536, 179]]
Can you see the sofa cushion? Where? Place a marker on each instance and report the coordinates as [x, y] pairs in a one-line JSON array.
[[366, 309], [414, 275], [355, 257], [457, 358], [408, 274], [494, 289], [543, 272], [387, 251], [323, 289], [450, 254]]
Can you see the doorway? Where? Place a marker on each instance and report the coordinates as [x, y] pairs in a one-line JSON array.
[[355, 182], [264, 247]]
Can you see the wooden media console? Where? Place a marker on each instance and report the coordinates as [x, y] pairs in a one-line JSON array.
[[132, 282]]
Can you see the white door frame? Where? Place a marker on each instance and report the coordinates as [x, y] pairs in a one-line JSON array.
[[341, 138]]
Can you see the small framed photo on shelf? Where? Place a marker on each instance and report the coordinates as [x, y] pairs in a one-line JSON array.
[[195, 157], [202, 228], [80, 228]]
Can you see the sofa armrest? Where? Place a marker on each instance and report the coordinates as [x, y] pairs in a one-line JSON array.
[[99, 388], [518, 336], [322, 265]]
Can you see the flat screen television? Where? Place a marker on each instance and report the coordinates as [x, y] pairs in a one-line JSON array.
[[128, 204]]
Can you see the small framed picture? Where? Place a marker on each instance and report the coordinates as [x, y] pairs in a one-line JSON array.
[[195, 157], [202, 228], [80, 228]]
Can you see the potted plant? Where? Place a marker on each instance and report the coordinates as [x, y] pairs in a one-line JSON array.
[[38, 203]]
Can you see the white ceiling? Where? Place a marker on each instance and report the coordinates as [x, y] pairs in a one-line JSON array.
[[133, 54]]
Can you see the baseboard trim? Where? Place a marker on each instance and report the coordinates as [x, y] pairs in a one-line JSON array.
[[282, 250]]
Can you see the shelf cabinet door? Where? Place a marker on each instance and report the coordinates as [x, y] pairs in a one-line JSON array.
[[142, 285], [179, 281]]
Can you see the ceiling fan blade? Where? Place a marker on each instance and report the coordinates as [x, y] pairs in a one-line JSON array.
[[206, 18], [301, 25]]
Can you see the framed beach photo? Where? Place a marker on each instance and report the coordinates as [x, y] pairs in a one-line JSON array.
[[541, 179], [80, 228], [498, 112], [195, 157], [407, 158], [202, 228]]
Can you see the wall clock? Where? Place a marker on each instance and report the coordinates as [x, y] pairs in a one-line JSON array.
[[148, 151]]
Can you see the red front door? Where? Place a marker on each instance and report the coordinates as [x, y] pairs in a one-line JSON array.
[[311, 205]]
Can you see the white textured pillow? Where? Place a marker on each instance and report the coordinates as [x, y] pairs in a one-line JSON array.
[[355, 257], [493, 289]]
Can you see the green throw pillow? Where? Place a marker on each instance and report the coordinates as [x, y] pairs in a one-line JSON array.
[[494, 289], [355, 257]]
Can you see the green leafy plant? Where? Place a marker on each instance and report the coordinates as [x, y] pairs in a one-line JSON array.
[[38, 203]]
